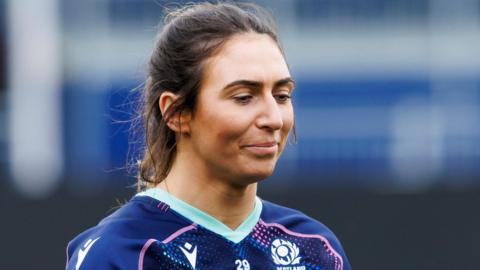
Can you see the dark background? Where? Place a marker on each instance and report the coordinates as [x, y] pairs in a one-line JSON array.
[[433, 230]]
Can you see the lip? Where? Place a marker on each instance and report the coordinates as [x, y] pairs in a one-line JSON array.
[[263, 149]]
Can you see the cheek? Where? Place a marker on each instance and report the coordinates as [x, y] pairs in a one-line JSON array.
[[224, 128], [288, 119], [224, 131]]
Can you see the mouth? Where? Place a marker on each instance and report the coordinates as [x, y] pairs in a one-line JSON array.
[[262, 149]]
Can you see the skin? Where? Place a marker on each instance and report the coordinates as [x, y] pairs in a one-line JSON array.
[[237, 132]]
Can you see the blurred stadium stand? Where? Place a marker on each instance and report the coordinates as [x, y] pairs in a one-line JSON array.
[[387, 110]]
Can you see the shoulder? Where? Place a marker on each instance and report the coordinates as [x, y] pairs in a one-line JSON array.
[[117, 241], [291, 218], [297, 224]]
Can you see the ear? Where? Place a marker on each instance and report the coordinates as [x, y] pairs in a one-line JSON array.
[[179, 122]]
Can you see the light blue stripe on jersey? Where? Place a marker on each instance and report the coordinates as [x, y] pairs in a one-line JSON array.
[[205, 220]]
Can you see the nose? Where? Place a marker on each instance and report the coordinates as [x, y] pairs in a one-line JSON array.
[[270, 116]]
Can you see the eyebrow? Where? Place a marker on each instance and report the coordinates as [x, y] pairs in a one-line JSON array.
[[257, 84]]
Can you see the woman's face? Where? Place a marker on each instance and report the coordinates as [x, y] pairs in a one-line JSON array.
[[243, 113]]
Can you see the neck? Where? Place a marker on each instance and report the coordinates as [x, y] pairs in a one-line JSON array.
[[230, 204]]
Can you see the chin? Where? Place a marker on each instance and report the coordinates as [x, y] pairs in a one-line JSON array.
[[244, 179], [259, 174], [252, 171]]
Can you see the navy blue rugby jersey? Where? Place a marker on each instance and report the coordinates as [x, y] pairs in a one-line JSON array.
[[155, 230]]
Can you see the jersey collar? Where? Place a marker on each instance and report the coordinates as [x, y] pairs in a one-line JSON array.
[[205, 220]]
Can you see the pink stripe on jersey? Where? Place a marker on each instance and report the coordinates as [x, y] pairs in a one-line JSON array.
[[168, 239], [179, 232], [287, 231], [143, 251]]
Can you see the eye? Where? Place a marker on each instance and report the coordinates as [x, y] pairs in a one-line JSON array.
[[282, 98], [243, 99]]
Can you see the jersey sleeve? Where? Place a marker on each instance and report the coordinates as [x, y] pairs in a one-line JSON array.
[[102, 252], [90, 253]]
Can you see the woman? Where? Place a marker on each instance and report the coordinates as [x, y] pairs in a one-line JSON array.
[[217, 116]]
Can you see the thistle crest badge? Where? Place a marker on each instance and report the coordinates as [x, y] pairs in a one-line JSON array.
[[285, 252]]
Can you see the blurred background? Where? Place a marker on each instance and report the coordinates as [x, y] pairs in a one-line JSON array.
[[387, 114]]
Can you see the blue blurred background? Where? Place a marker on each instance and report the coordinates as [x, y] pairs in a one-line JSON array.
[[387, 110]]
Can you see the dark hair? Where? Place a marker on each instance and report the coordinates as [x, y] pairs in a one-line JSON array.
[[190, 36]]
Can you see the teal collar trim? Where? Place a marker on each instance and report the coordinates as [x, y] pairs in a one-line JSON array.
[[205, 220]]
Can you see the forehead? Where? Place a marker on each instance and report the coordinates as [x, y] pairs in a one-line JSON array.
[[248, 56]]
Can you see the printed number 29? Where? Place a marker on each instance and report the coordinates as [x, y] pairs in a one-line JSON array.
[[242, 265]]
